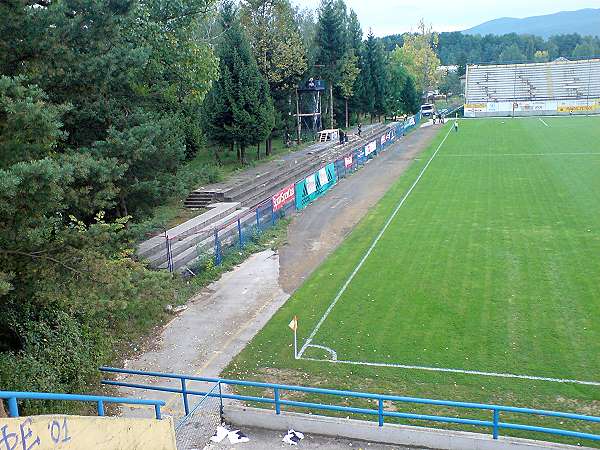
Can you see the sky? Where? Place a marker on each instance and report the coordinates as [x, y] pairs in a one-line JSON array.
[[398, 16]]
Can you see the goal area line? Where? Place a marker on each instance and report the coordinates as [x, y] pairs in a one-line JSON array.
[[456, 371]]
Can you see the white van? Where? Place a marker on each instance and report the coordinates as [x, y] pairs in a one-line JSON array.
[[427, 110]]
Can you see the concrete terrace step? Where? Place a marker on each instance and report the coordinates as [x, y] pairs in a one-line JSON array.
[[256, 184], [239, 183], [194, 246], [253, 193], [157, 244]]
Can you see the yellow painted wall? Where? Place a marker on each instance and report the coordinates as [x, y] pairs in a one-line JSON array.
[[86, 433]]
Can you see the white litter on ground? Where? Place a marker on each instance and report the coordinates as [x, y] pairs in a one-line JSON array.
[[219, 435], [237, 437], [293, 437]]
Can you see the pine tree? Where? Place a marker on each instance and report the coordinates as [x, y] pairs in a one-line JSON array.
[[410, 97], [279, 51], [374, 79], [331, 42], [240, 108], [355, 47]]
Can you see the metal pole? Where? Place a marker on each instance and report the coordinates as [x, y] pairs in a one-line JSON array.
[[100, 408], [217, 248], [380, 412], [298, 117], [296, 343], [13, 407], [240, 233], [496, 431], [277, 404], [221, 398], [186, 406]]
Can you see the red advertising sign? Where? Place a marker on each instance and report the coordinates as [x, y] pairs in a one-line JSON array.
[[283, 197]]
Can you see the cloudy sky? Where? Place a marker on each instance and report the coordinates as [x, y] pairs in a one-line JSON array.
[[397, 16]]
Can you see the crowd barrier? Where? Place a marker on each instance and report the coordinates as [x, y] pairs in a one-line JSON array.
[[385, 406], [233, 236]]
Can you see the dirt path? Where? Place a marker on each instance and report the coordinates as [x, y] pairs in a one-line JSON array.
[[319, 229]]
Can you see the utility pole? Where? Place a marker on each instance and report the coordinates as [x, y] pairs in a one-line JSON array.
[[331, 102]]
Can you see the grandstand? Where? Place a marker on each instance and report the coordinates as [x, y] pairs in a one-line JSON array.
[[560, 87]]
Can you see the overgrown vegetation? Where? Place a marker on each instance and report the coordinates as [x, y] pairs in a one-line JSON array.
[[105, 109]]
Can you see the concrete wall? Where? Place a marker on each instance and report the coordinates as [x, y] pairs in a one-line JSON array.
[[419, 437], [86, 433]]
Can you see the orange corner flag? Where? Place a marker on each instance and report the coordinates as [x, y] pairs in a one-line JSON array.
[[294, 324]]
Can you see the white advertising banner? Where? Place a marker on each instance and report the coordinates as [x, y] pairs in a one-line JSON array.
[[370, 148], [323, 179], [311, 184]]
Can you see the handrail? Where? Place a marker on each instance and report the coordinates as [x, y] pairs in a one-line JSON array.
[[380, 412], [100, 400]]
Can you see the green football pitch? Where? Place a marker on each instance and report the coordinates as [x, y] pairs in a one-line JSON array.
[[476, 278]]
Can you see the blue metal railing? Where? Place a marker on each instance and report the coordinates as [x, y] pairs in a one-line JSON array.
[[495, 424], [13, 407]]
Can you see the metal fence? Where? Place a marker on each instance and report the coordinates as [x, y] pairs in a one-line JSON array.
[[386, 405], [229, 238], [200, 422], [13, 397]]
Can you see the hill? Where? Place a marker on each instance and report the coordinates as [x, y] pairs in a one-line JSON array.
[[584, 21]]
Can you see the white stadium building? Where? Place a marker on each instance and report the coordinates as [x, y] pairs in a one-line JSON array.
[[560, 87]]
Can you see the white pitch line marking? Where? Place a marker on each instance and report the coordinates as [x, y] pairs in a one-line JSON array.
[[366, 255], [480, 155], [542, 120], [460, 371], [327, 349]]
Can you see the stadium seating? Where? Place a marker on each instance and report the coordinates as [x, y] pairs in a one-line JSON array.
[[558, 80]]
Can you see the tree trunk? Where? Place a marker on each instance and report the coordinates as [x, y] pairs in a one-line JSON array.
[[239, 154], [231, 146], [331, 103], [298, 119], [258, 151], [2, 410], [218, 158], [347, 118], [269, 145], [243, 154], [124, 212]]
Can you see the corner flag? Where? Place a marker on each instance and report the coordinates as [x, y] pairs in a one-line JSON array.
[[294, 326]]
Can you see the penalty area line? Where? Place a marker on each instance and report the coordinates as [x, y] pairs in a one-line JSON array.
[[370, 250], [458, 371], [544, 122]]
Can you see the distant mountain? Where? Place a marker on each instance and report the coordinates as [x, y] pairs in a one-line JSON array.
[[584, 21]]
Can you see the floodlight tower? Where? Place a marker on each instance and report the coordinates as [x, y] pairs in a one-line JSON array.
[[308, 106]]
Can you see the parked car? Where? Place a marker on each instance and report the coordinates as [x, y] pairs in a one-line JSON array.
[[428, 110]]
